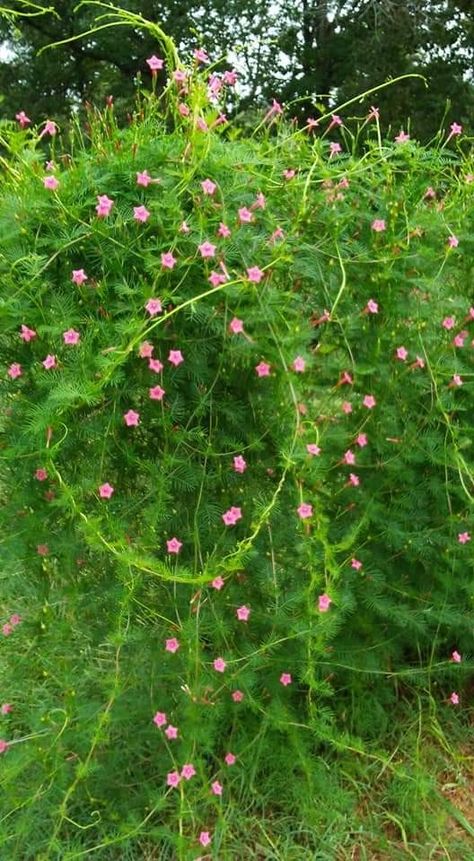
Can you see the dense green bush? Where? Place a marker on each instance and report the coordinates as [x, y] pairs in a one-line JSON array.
[[242, 511]]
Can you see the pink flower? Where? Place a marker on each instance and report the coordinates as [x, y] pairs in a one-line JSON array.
[[49, 362], [216, 788], [454, 698], [175, 357], [230, 77], [173, 779], [184, 227], [240, 464], [205, 838], [167, 260], [50, 128], [131, 418], [255, 274], [245, 215], [345, 378], [305, 510], [202, 125], [277, 234], [171, 732], [153, 306], [208, 186], [7, 629], [242, 613], [374, 113], [369, 402], [141, 213], [78, 276], [22, 119], [3, 746], [346, 407], [285, 679], [201, 55], [188, 771], [356, 564], [349, 457], [361, 440], [464, 537], [179, 75], [263, 369], [41, 474], [289, 173], [378, 225], [160, 719], [236, 326], [146, 350], [230, 758], [402, 137], [155, 63], [456, 129], [172, 645], [207, 249], [237, 696], [456, 657], [456, 380], [27, 334], [71, 337], [104, 205], [183, 109], [401, 353], [106, 490], [51, 183], [419, 363], [335, 148], [6, 708], [143, 178], [42, 550], [15, 619], [173, 545], [156, 392], [155, 365], [313, 449], [453, 241], [458, 340], [299, 364], [372, 307], [219, 665], [430, 192], [448, 323], [324, 602], [14, 371], [354, 480], [217, 583], [231, 516], [223, 230]]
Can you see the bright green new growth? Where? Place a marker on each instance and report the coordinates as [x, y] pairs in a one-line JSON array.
[[86, 669]]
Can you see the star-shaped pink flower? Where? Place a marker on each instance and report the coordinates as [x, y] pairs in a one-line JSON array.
[[155, 365], [172, 645], [145, 350], [175, 357], [216, 788], [160, 719], [155, 63], [167, 260], [153, 306], [104, 205], [217, 583], [305, 510], [285, 679], [219, 665], [173, 779], [141, 213], [174, 545], [324, 602], [378, 225], [208, 186], [464, 537], [71, 337], [361, 440], [356, 564], [216, 278], [224, 230], [263, 369], [207, 249], [401, 353], [22, 119], [132, 418], [205, 838], [230, 759], [245, 216], [242, 613], [456, 657], [171, 732], [402, 137], [349, 457], [27, 334], [369, 402], [237, 696], [49, 362], [106, 490], [231, 516], [240, 465], [453, 241], [143, 178], [41, 474], [156, 393], [236, 326], [78, 276], [188, 771], [454, 698], [313, 449], [51, 183], [255, 274], [299, 364], [372, 307], [14, 371]]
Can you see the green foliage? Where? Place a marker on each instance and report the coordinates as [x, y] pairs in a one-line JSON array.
[[97, 589]]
